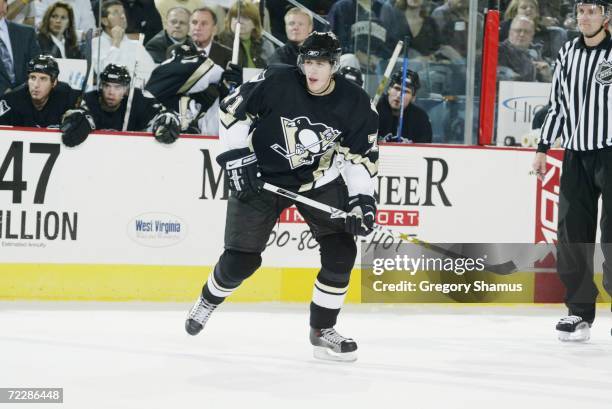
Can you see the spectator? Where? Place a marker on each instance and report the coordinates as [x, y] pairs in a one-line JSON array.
[[142, 17], [409, 18], [163, 6], [552, 12], [549, 39], [416, 126], [202, 29], [21, 11], [57, 36], [515, 53], [18, 45], [298, 24], [177, 28], [255, 50], [450, 12], [46, 102], [83, 14], [354, 33], [116, 48]]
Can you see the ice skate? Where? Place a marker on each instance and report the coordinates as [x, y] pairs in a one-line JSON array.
[[331, 346], [198, 316], [573, 329]]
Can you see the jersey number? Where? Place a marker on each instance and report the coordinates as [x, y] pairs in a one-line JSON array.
[[14, 160]]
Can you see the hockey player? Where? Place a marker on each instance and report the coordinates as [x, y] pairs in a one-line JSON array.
[[580, 113], [295, 127], [108, 106], [416, 124], [45, 102], [192, 84]]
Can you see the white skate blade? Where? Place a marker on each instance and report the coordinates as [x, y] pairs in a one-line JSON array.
[[327, 354], [580, 335]]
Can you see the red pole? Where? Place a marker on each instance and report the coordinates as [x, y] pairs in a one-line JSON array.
[[488, 89]]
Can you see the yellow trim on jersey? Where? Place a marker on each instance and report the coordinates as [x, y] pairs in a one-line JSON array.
[[356, 159]]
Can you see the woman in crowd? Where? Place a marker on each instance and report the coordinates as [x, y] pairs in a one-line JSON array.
[[57, 35], [410, 18], [255, 50], [548, 39]]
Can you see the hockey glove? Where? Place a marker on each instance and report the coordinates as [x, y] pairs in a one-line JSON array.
[[361, 215], [232, 75], [393, 138], [207, 97], [76, 126], [241, 170], [166, 127]]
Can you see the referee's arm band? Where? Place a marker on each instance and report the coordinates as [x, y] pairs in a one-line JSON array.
[[543, 147]]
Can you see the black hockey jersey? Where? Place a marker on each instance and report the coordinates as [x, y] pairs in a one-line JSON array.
[[297, 136], [143, 111], [16, 107]]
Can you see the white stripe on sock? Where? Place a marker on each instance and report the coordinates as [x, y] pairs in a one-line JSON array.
[[331, 301], [215, 289]]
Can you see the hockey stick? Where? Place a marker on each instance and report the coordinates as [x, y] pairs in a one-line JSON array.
[[236, 45], [501, 269], [400, 125], [383, 82], [128, 108], [88, 51]]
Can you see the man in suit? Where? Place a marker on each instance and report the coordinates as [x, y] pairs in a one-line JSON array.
[[202, 29], [177, 28], [18, 46]]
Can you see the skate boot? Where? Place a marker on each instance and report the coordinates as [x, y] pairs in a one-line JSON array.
[[573, 329], [199, 314], [331, 346]]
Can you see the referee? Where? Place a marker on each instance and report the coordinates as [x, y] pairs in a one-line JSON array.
[[580, 102]]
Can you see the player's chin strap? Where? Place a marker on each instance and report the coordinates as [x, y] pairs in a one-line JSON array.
[[503, 268]]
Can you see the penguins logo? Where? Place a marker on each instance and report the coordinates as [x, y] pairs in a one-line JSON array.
[[305, 141]]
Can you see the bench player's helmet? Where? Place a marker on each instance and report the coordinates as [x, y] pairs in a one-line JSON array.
[[115, 74], [412, 80], [320, 46], [44, 64], [352, 74]]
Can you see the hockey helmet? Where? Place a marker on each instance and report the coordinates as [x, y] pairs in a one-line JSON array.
[[186, 50], [115, 74], [320, 46], [44, 64], [412, 80], [352, 74], [606, 4]]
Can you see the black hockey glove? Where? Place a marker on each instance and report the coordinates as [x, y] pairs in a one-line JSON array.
[[166, 127], [76, 126], [207, 97], [241, 170], [361, 215], [232, 75]]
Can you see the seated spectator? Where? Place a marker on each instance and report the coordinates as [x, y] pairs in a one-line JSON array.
[[515, 53], [416, 126], [163, 6], [142, 17], [83, 15], [18, 45], [255, 50], [21, 11], [116, 48], [548, 39], [410, 18], [552, 12], [202, 29], [449, 12], [177, 28], [46, 102], [298, 24], [354, 33], [57, 36], [108, 106], [452, 19]]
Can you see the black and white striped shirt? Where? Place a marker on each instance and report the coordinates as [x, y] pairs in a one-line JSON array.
[[580, 98]]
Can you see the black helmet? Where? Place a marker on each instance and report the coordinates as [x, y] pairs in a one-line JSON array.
[[44, 64], [185, 50], [352, 74], [412, 80], [320, 46], [607, 4], [116, 74]]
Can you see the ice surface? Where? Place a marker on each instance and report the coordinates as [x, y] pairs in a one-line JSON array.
[[134, 356]]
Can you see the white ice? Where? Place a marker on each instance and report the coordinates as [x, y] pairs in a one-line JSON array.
[[137, 356]]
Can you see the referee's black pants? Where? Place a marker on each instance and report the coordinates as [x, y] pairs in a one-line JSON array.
[[586, 176]]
